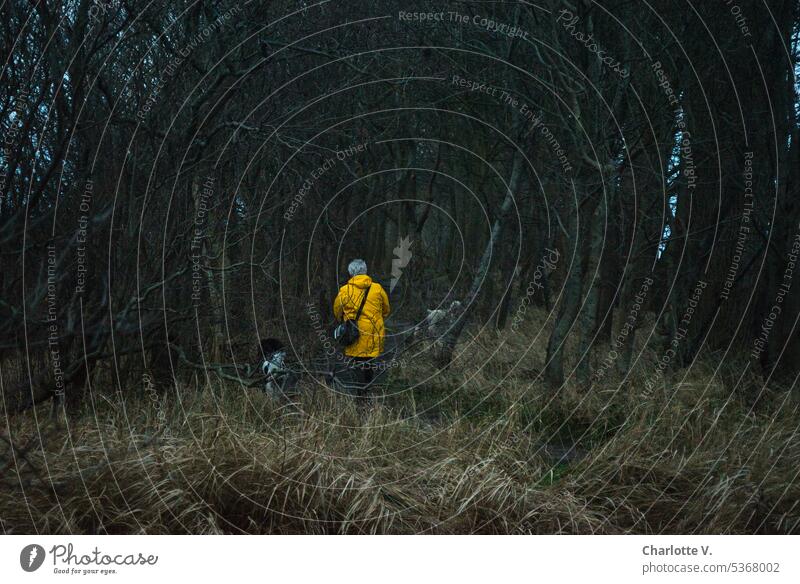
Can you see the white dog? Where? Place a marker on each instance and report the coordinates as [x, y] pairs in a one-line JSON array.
[[438, 320]]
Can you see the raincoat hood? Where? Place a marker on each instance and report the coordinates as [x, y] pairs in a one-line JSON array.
[[360, 281]]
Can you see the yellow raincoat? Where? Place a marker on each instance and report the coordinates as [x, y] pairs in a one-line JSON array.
[[370, 325]]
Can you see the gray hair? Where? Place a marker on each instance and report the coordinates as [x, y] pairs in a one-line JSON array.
[[357, 267]]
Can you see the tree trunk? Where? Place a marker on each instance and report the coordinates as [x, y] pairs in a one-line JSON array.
[[568, 309], [589, 316], [449, 341]]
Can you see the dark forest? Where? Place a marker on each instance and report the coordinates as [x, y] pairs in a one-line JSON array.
[[585, 216]]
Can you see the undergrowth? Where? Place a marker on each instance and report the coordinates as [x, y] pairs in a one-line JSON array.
[[467, 451]]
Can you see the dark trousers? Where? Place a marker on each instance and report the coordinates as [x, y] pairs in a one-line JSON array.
[[364, 368]]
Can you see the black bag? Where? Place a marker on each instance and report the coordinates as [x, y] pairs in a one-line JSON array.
[[347, 333]]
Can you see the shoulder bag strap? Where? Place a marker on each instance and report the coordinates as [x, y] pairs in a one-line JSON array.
[[363, 302]]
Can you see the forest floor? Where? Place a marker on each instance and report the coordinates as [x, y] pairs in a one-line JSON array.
[[484, 448]]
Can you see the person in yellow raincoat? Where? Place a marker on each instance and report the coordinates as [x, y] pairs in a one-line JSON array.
[[370, 325]]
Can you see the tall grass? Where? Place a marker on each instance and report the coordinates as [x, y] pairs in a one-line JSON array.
[[458, 454]]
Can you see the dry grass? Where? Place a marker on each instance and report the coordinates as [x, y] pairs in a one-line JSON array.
[[456, 455]]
